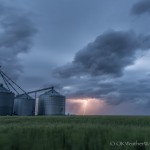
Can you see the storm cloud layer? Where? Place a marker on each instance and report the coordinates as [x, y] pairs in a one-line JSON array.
[[113, 67], [141, 7], [16, 32], [98, 69], [109, 54]]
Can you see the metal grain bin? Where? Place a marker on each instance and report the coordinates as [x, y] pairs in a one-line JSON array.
[[24, 105], [51, 103], [6, 101]]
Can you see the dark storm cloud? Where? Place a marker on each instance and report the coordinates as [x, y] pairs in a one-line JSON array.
[[109, 54], [92, 72], [16, 31], [142, 6], [113, 92], [133, 91]]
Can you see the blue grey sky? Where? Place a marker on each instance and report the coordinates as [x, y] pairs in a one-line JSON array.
[[86, 48]]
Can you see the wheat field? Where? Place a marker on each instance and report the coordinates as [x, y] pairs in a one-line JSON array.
[[75, 133]]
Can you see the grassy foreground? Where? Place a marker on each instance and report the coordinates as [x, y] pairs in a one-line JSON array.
[[75, 133]]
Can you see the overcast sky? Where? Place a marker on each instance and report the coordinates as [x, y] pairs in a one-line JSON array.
[[85, 48]]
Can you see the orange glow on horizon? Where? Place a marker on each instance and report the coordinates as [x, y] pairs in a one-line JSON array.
[[84, 106]]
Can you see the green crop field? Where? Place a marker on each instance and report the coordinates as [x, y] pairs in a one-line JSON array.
[[75, 133]]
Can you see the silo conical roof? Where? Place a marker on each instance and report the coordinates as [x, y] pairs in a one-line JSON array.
[[52, 92], [24, 96], [3, 89]]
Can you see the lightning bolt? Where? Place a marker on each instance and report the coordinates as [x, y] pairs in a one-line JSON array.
[[85, 107]]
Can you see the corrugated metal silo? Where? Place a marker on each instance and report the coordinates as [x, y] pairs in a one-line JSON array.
[[24, 105], [6, 101], [51, 103]]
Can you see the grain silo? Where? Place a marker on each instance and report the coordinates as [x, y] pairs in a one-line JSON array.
[[6, 101], [24, 105], [51, 103]]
